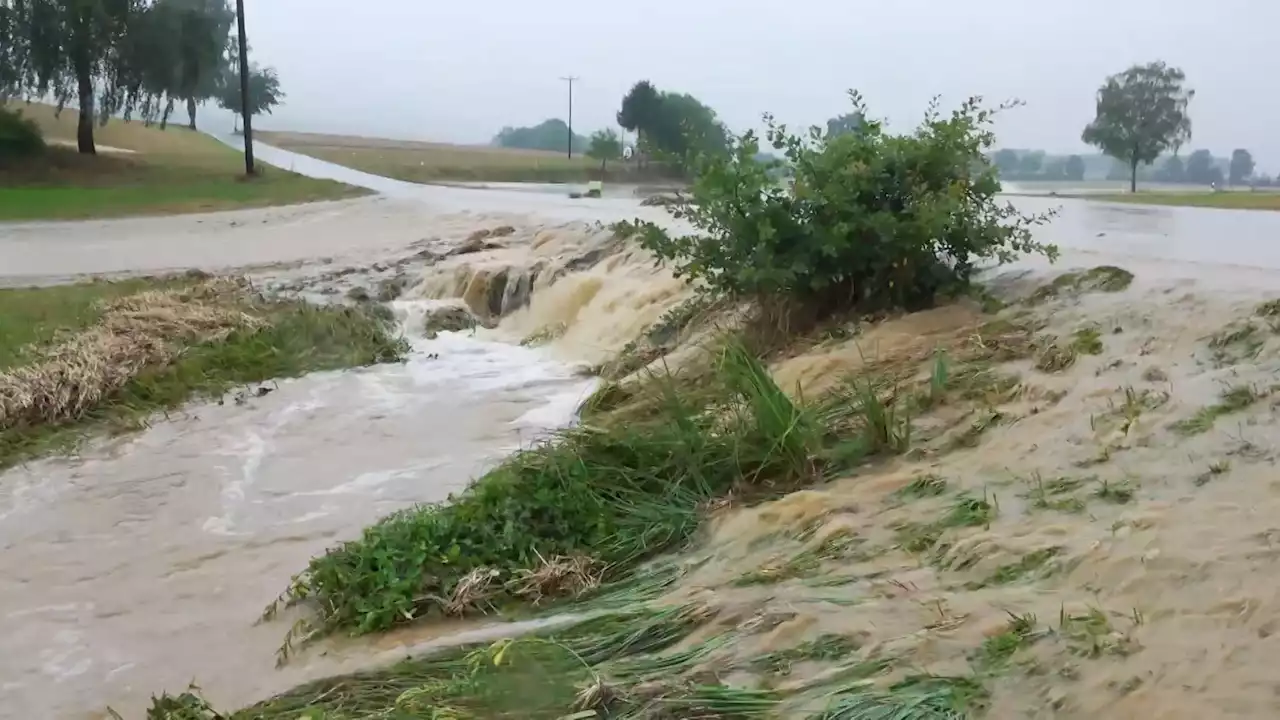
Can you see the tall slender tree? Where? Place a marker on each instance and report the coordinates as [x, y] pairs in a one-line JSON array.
[[1141, 113], [74, 51]]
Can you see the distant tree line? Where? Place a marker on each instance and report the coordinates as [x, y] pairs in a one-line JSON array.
[[126, 57], [1037, 165], [672, 127], [551, 135]]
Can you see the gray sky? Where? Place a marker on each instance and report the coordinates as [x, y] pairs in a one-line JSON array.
[[459, 70]]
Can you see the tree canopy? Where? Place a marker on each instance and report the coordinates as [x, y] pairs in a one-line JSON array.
[[1241, 167], [673, 126], [846, 123], [110, 57], [551, 135], [264, 92], [1141, 113], [605, 146]]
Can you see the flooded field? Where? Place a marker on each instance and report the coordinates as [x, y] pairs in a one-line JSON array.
[[143, 563]]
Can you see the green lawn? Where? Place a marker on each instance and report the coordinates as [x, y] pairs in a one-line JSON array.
[[168, 171]]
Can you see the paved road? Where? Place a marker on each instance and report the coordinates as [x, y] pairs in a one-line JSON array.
[[1241, 246]]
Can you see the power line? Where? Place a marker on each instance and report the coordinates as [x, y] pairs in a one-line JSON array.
[[570, 79]]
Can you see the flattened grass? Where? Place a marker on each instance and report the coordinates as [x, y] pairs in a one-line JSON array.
[[617, 494]]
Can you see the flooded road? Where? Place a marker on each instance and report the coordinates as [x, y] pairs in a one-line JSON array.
[[143, 564]]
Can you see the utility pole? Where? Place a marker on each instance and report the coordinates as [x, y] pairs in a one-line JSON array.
[[249, 169], [570, 79]]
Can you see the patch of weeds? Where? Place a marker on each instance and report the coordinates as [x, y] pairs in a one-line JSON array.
[[616, 494], [776, 572], [835, 546], [825, 648], [1132, 406], [997, 650], [970, 436], [922, 487], [939, 375], [1118, 493], [1090, 634], [882, 426], [616, 665], [1087, 341], [1030, 564], [1270, 308], [1220, 467], [969, 511], [545, 334], [917, 538], [1103, 278], [920, 697], [1234, 398], [1056, 495], [1237, 341], [966, 511], [1054, 358]]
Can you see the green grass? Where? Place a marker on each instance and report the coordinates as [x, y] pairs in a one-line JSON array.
[[299, 338], [603, 497], [1229, 200], [1233, 399], [170, 171], [824, 648]]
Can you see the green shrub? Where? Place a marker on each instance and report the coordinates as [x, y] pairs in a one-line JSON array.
[[874, 220], [19, 137]]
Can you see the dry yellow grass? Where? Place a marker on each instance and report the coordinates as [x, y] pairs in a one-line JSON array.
[[429, 162], [134, 332]]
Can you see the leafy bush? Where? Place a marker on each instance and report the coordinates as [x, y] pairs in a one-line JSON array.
[[874, 220], [19, 137]]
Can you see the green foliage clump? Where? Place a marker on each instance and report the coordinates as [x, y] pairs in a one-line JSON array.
[[616, 495], [19, 136], [873, 220]]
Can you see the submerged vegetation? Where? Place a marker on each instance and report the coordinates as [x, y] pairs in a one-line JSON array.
[[106, 356]]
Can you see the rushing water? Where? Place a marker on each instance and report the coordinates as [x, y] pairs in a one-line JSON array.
[[143, 564]]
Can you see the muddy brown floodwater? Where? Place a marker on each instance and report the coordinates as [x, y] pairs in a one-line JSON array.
[[143, 563]]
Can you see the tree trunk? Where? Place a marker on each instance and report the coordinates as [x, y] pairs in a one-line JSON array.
[[191, 112], [84, 128], [1133, 176]]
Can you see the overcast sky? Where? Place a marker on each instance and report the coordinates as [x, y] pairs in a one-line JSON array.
[[458, 71]]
